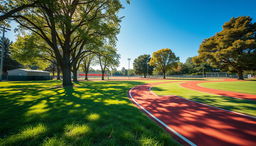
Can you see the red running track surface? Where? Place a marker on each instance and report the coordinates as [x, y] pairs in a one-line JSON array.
[[194, 85], [201, 124]]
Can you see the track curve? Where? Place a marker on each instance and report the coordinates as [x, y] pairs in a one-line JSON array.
[[200, 124], [194, 85]]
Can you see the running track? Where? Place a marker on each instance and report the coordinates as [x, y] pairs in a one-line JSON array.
[[199, 124], [194, 85]]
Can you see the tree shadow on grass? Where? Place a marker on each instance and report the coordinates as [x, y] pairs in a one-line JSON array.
[[196, 119], [157, 89], [240, 105], [91, 113]]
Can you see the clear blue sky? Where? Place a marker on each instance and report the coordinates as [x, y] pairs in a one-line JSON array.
[[180, 25]]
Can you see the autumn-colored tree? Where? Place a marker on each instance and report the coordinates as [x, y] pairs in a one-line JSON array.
[[233, 49], [141, 65], [163, 60]]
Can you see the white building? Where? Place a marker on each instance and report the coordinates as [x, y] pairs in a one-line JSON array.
[[26, 74]]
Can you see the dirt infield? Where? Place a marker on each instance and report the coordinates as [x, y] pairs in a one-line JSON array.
[[199, 124], [194, 85]]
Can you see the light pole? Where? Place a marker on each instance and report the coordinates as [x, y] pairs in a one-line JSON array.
[[2, 52], [129, 59]]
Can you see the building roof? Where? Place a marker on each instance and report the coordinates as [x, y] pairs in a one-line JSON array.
[[29, 70]]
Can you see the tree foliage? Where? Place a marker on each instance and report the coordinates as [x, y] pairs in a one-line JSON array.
[[8, 62], [108, 58], [164, 60], [86, 63], [10, 7], [29, 51], [67, 27], [234, 48], [141, 65]]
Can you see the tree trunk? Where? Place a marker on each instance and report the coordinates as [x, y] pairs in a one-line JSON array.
[[74, 71], [74, 75], [240, 75], [86, 69], [145, 76], [102, 75], [53, 73], [58, 72], [164, 75], [66, 71], [86, 75]]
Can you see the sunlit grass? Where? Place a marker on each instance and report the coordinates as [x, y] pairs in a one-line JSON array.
[[240, 86], [93, 117], [238, 105], [76, 130], [91, 113], [25, 134]]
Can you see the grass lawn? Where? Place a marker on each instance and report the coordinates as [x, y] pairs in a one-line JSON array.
[[233, 104], [91, 113], [239, 86]]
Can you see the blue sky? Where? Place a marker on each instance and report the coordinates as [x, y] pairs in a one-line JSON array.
[[180, 25]]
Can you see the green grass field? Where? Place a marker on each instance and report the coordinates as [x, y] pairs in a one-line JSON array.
[[91, 113], [240, 86], [233, 104]]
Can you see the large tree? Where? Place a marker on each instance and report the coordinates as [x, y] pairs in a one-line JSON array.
[[66, 25], [164, 60], [108, 58], [234, 48], [141, 65]]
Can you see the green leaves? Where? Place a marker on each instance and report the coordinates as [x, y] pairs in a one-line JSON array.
[[28, 51], [141, 65], [163, 60], [234, 48]]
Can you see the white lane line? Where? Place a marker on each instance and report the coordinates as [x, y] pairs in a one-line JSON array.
[[215, 106], [161, 122]]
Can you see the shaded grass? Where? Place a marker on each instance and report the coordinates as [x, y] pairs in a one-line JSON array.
[[239, 86], [233, 104], [91, 113]]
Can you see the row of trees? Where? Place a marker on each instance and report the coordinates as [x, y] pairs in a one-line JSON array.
[[231, 50], [142, 67], [31, 52], [162, 61], [65, 33]]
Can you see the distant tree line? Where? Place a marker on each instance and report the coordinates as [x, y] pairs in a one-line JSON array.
[[231, 50]]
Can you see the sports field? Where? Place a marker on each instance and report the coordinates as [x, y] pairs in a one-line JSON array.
[[101, 113], [197, 118], [233, 104], [91, 113], [239, 86]]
